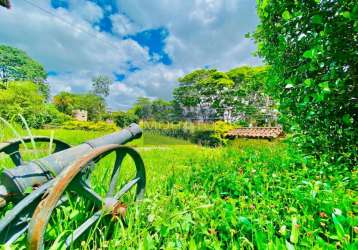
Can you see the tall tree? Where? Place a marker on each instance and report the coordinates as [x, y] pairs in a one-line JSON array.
[[208, 94], [101, 85], [16, 65]]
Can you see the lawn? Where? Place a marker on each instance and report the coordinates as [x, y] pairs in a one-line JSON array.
[[251, 194]]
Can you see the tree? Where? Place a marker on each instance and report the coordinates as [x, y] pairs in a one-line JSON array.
[[208, 94], [16, 65], [123, 119], [67, 102], [162, 110], [250, 100], [5, 3], [312, 47], [101, 84], [31, 105], [198, 91], [158, 109], [143, 108]]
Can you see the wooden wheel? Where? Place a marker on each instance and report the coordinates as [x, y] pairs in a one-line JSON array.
[[16, 221], [12, 148], [71, 179]]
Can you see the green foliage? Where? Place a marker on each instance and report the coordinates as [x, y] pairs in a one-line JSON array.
[[206, 94], [252, 194], [16, 65], [158, 109], [209, 134], [101, 84], [123, 119], [31, 105], [312, 49], [89, 126], [67, 102]]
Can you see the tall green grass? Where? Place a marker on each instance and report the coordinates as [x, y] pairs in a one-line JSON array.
[[248, 195]]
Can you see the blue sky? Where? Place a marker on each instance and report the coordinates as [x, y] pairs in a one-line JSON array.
[[144, 45]]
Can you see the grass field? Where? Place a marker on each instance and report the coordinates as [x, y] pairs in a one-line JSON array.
[[252, 194]]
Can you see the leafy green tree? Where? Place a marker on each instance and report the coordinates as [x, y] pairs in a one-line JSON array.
[[200, 92], [162, 110], [16, 65], [67, 102], [123, 119], [101, 85], [312, 49], [250, 100], [143, 108], [31, 105], [209, 94], [158, 109]]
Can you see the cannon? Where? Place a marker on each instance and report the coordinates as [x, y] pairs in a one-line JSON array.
[[37, 187]]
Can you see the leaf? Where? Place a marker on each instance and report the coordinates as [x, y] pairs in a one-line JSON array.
[[28, 190], [319, 97], [347, 119], [308, 82], [324, 86], [289, 86], [289, 246], [317, 19], [311, 54], [295, 231], [243, 221], [339, 227], [346, 14], [286, 15], [260, 240]]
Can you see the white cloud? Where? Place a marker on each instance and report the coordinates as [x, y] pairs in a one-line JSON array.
[[152, 81], [122, 25], [201, 33], [68, 45], [86, 10]]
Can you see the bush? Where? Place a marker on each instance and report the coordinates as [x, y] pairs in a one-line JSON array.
[[93, 126], [123, 119], [31, 106], [312, 49], [209, 134]]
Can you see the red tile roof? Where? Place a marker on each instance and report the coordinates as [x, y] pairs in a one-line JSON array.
[[256, 132]]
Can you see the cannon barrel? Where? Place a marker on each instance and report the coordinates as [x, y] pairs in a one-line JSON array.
[[14, 183]]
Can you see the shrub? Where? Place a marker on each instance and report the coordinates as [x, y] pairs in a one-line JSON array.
[[312, 49], [93, 126], [31, 106], [123, 119], [209, 134]]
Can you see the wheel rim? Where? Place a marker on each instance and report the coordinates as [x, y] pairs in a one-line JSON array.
[[12, 148], [70, 178]]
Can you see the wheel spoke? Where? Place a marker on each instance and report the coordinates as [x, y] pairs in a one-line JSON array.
[[115, 174], [126, 188], [83, 228], [16, 220], [16, 158], [82, 188]]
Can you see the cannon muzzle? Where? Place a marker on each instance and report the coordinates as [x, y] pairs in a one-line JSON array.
[[16, 182]]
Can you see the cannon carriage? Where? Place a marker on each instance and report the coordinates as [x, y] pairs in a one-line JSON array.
[[65, 172]]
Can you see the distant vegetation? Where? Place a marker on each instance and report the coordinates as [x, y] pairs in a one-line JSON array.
[[16, 65], [300, 193], [24, 97]]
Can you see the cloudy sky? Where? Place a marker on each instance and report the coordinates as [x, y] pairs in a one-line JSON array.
[[145, 45]]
